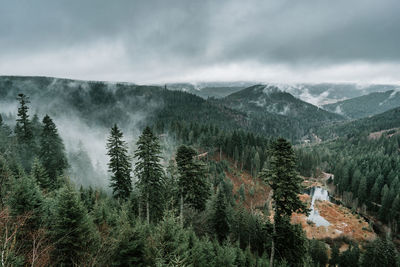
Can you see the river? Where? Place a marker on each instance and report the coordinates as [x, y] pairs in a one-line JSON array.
[[318, 193]]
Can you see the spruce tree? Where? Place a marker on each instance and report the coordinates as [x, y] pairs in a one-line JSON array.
[[220, 221], [119, 165], [149, 172], [351, 256], [362, 190], [40, 175], [395, 214], [23, 128], [52, 151], [5, 134], [24, 133], [334, 260], [26, 199], [386, 204], [72, 231], [193, 183], [282, 177]]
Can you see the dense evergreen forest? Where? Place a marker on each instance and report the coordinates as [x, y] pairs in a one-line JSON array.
[[170, 201], [366, 170]]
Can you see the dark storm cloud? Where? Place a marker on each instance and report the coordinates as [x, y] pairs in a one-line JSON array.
[[167, 37]]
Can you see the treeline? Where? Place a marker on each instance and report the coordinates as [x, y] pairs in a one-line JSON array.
[[247, 151]]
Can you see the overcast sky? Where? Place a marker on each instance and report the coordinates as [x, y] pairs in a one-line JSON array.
[[198, 40]]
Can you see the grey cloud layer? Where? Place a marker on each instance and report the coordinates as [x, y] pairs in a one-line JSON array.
[[153, 35]]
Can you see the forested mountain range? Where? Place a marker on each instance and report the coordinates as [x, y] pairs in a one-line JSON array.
[[318, 94], [384, 121], [206, 90], [172, 194], [101, 103], [279, 111], [366, 105]]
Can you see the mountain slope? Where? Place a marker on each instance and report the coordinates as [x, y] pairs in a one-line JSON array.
[[384, 121], [102, 103], [367, 105], [272, 108]]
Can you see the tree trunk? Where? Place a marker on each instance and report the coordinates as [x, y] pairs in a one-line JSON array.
[[181, 215], [140, 209], [148, 209], [271, 260]]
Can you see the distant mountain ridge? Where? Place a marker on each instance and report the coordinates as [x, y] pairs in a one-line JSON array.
[[317, 94], [367, 105], [270, 99], [103, 103], [383, 121], [268, 107]]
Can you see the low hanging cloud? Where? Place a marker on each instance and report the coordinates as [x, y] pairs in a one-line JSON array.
[[166, 41]]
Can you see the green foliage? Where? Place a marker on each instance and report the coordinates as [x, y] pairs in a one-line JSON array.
[[334, 260], [119, 164], [290, 242], [5, 180], [193, 183], [130, 250], [350, 257], [72, 232], [149, 172], [219, 219], [24, 133], [380, 252], [26, 199], [23, 128], [39, 175], [52, 151], [284, 180], [366, 105], [318, 252]]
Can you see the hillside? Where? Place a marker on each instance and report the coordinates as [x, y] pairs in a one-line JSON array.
[[276, 110], [367, 105], [384, 121], [320, 94], [102, 103]]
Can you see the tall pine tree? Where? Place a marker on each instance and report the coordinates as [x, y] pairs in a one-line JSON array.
[[193, 184], [52, 151], [219, 220], [40, 175], [282, 177], [119, 165], [72, 232], [24, 133], [149, 172], [23, 128]]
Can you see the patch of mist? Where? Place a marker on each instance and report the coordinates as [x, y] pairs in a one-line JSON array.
[[270, 89], [338, 110], [316, 100], [82, 140], [9, 111], [285, 110], [261, 102]]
